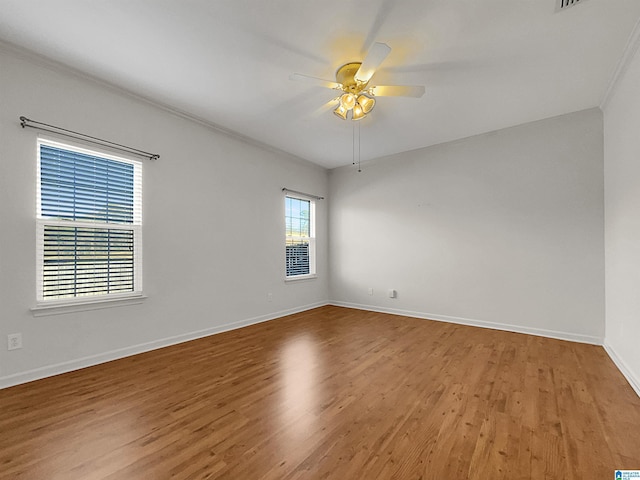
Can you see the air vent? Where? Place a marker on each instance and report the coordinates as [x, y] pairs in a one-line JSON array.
[[565, 4]]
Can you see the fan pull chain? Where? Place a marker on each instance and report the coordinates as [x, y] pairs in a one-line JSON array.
[[359, 169], [353, 143], [355, 151]]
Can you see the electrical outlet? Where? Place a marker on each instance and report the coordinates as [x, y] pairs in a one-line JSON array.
[[269, 297], [370, 291], [14, 341]]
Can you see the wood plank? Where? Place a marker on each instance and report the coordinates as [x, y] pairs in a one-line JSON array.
[[332, 393]]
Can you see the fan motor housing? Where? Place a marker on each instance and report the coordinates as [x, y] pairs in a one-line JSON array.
[[346, 76]]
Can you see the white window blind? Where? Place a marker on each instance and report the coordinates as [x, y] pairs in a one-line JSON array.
[[89, 223], [300, 237]]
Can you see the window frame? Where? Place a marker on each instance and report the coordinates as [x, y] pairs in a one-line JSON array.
[[311, 238], [88, 302]]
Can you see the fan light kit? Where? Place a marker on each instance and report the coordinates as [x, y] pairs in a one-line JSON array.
[[357, 99]]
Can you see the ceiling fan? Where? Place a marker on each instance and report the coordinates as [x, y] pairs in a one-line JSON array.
[[352, 79]]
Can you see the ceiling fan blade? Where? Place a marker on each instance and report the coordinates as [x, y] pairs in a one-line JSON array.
[[319, 82], [415, 91], [372, 61], [330, 105], [381, 17]]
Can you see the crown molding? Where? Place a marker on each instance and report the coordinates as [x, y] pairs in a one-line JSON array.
[[55, 65], [622, 66]]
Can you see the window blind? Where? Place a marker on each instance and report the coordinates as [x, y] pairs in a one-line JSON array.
[[78, 186], [89, 223], [87, 261], [297, 257]]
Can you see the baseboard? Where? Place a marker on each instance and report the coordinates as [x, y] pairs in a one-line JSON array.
[[623, 367], [572, 337], [77, 364]]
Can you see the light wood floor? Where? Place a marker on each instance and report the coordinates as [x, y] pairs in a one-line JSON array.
[[332, 393]]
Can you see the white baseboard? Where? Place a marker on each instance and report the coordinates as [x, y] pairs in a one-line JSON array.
[[572, 337], [633, 380], [64, 367], [77, 364]]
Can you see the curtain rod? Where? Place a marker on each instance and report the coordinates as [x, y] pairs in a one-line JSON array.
[[25, 122], [285, 189]]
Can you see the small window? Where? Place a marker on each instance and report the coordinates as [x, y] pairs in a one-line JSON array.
[[89, 224], [300, 237]]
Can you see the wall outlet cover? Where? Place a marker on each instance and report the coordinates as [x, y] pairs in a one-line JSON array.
[[14, 341]]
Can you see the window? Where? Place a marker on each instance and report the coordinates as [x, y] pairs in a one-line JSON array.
[[300, 240], [89, 224]]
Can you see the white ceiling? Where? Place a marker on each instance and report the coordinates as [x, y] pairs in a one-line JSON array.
[[486, 64]]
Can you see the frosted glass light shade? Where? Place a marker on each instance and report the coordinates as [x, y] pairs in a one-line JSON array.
[[341, 111], [358, 113], [348, 100], [367, 103]]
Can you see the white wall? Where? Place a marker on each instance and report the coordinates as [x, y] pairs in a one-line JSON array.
[[503, 230], [213, 226], [622, 222]]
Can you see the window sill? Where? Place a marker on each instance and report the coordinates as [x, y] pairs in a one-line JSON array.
[[65, 306], [298, 278]]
